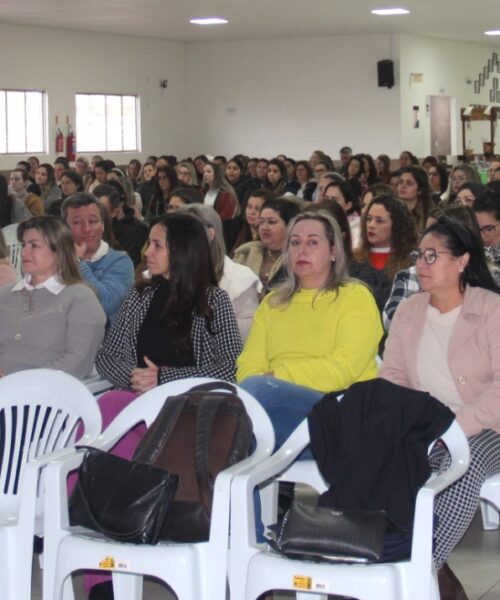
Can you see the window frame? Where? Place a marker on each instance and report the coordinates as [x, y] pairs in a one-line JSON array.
[[137, 128], [44, 122]]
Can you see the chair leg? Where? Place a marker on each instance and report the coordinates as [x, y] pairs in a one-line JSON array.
[[67, 589], [127, 586], [490, 515]]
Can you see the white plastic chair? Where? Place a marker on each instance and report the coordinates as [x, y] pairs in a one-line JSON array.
[[39, 413], [255, 570], [10, 236], [490, 502], [195, 571]]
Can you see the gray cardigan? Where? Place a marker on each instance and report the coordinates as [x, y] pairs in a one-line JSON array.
[[63, 331]]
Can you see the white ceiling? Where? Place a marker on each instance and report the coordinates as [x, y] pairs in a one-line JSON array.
[[250, 19]]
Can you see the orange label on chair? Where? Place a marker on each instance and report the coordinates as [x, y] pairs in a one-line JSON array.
[[301, 582], [107, 563]]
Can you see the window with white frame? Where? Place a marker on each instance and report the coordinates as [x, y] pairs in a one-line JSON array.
[[22, 121], [107, 123]]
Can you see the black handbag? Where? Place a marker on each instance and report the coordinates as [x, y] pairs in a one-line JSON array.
[[314, 533], [125, 500]]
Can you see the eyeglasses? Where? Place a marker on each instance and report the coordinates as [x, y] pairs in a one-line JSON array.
[[429, 255], [488, 228]]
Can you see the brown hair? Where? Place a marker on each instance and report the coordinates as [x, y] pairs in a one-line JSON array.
[[57, 235]]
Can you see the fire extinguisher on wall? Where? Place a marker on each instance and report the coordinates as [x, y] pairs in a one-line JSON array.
[[59, 138], [70, 142]]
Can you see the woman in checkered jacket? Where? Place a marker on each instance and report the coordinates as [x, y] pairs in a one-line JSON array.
[[175, 323]]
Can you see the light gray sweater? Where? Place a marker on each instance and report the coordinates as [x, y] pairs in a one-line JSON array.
[[62, 332]]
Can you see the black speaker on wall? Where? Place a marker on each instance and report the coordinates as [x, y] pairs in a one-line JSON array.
[[385, 71]]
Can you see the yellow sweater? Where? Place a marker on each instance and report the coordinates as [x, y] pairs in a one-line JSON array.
[[325, 345]]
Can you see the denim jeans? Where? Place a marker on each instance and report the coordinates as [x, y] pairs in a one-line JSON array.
[[287, 405]]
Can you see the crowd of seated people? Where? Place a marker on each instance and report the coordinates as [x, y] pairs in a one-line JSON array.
[[276, 272]]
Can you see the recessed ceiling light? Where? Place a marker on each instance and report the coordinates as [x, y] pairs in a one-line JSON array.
[[390, 11], [209, 21], [492, 32]]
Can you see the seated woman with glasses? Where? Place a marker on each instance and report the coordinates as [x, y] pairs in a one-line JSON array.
[[446, 341], [406, 282], [487, 211]]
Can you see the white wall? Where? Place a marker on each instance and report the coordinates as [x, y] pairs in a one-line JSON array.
[[261, 97], [64, 62], [445, 65], [291, 96]]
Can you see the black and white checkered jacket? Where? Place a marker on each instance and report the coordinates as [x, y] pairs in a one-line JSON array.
[[214, 353]]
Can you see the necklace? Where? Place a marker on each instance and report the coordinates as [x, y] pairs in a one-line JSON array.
[[273, 255], [27, 307]]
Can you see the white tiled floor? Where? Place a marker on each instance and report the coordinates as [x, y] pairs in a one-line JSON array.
[[476, 562]]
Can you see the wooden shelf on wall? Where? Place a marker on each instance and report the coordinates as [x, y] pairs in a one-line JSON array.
[[477, 114]]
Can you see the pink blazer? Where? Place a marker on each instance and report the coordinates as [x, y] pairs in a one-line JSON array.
[[473, 354]]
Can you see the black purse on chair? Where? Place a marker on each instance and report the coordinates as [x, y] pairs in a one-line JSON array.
[[324, 534], [125, 500]]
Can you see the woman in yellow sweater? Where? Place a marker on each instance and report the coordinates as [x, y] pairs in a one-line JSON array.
[[317, 332]]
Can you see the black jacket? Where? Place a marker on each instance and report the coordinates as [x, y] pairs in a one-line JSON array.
[[371, 447]]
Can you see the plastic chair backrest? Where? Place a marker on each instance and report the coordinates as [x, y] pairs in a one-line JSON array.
[[10, 236], [40, 410]]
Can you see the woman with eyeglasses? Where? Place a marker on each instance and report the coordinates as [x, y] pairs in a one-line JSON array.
[[469, 192], [487, 210], [446, 341], [406, 282], [458, 176]]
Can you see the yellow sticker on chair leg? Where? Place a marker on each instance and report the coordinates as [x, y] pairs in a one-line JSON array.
[[301, 582], [107, 563]]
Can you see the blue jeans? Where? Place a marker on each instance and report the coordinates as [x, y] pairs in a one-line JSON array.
[[287, 405]]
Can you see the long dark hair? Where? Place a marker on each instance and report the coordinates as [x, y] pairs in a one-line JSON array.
[[459, 239], [191, 273], [5, 203], [158, 202]]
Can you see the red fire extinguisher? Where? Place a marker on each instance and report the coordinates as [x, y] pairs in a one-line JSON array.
[[59, 138], [70, 142]]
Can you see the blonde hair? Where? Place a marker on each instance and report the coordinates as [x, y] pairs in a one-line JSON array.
[[284, 292]]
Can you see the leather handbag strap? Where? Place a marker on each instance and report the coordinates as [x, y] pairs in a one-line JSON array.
[[207, 412], [213, 386], [151, 445]]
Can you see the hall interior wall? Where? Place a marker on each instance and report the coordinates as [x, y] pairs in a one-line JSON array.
[[261, 97]]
